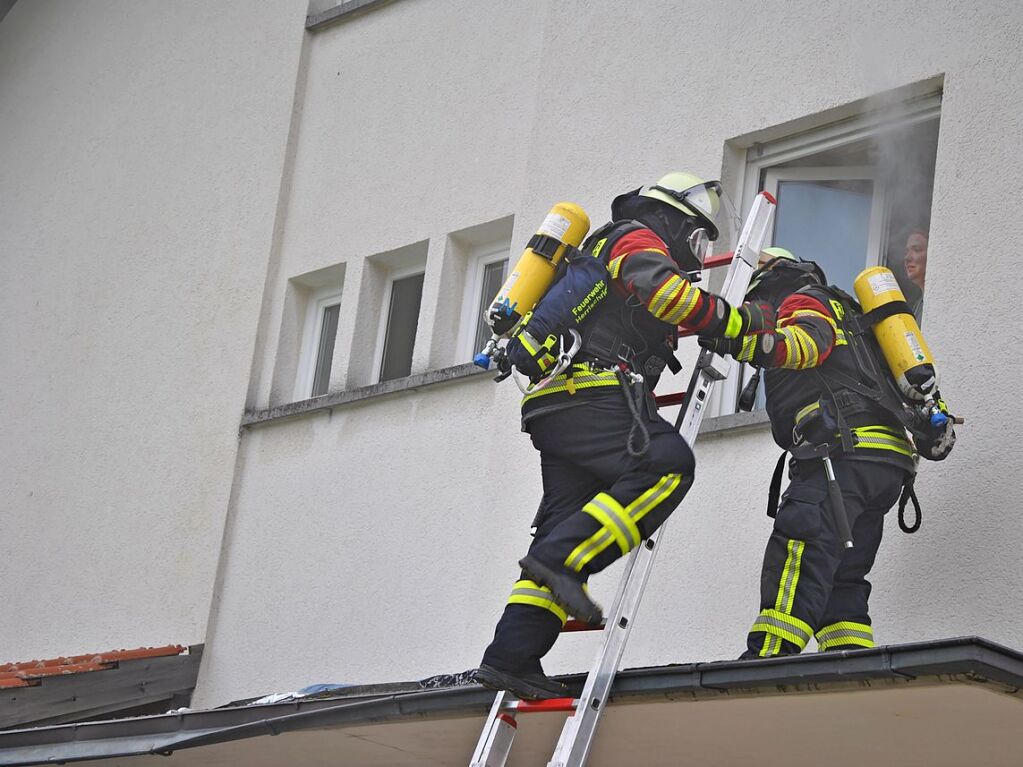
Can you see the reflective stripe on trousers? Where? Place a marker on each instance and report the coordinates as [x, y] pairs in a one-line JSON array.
[[844, 634], [618, 523], [526, 592], [778, 624]]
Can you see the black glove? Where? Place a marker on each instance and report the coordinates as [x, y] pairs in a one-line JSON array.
[[755, 317], [532, 358], [757, 349], [734, 323]]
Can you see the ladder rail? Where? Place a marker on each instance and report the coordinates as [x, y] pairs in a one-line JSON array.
[[488, 752], [579, 730]]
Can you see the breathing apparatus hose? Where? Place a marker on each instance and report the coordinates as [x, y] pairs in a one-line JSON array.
[[632, 389]]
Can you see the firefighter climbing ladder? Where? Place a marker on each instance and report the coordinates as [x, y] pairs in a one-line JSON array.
[[579, 730]]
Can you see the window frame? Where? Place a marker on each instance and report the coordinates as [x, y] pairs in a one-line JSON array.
[[878, 224], [472, 299], [393, 275], [317, 303], [761, 160]]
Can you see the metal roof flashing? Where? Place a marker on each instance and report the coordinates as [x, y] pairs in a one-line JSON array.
[[852, 677]]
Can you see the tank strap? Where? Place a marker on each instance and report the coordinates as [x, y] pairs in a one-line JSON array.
[[883, 312], [546, 246]]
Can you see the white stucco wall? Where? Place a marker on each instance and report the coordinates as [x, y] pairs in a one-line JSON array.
[[153, 213], [379, 543], [141, 147]]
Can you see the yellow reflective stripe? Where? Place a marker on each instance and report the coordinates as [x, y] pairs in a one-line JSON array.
[[749, 345], [882, 430], [840, 339], [659, 299], [845, 633], [528, 343], [771, 624], [843, 641], [771, 646], [875, 438], [805, 411], [588, 549], [684, 307], [527, 592], [802, 628], [612, 516], [664, 313], [807, 347], [579, 381], [811, 313], [791, 347], [650, 499], [675, 292], [790, 576], [734, 323], [615, 266], [778, 622]]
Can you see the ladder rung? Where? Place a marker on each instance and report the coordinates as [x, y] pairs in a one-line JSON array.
[[536, 706], [574, 625], [666, 400]]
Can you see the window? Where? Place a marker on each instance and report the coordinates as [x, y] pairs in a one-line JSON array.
[[319, 336], [486, 275], [405, 294], [477, 259], [850, 195]]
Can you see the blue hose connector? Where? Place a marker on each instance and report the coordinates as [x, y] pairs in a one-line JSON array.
[[938, 419], [482, 360]]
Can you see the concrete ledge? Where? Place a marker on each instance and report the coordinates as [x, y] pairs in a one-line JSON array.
[[341, 398], [332, 15], [734, 422], [716, 426]]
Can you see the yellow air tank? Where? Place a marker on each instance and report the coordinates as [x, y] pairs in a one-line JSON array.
[[899, 336], [565, 226]]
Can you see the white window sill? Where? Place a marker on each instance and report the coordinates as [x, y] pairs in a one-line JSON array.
[[716, 426]]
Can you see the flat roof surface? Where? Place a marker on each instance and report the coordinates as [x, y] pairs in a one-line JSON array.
[[949, 702]]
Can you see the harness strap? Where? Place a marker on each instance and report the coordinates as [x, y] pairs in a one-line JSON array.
[[909, 494], [775, 490]]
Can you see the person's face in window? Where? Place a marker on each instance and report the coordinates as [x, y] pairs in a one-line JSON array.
[[916, 258]]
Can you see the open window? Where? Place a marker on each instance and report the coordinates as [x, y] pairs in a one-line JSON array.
[[852, 194]]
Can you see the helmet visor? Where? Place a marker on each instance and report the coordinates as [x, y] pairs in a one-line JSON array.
[[702, 199], [699, 243]]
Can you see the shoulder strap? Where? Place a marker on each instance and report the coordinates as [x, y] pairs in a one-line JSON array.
[[598, 243]]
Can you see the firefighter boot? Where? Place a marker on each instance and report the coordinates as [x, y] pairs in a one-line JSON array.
[[531, 686], [567, 589]]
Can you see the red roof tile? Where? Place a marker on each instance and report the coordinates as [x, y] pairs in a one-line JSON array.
[[19, 674]]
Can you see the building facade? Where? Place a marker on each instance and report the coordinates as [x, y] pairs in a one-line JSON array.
[[244, 248]]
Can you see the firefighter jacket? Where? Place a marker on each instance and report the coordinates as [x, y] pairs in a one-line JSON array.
[[806, 400], [626, 297]]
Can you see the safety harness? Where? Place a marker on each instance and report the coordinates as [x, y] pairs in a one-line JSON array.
[[845, 398], [616, 347]]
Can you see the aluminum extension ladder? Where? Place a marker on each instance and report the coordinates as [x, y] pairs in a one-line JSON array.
[[579, 730]]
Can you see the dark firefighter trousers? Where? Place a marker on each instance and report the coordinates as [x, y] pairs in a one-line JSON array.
[[598, 504], [810, 585]]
